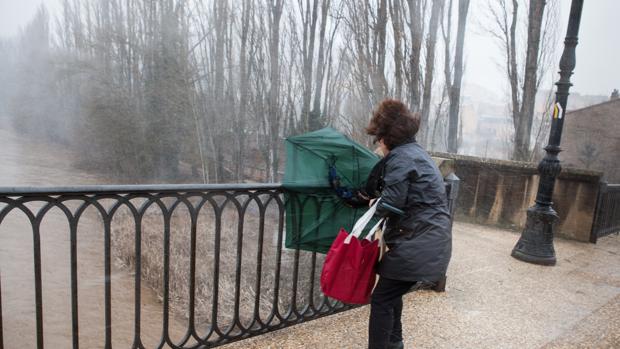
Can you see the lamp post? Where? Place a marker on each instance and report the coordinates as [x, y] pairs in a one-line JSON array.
[[536, 242]]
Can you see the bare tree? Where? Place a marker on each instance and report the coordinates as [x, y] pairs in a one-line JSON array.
[[274, 90], [194, 90], [240, 119], [544, 125], [31, 102], [416, 31], [317, 117], [530, 80], [455, 86], [524, 80], [367, 25], [440, 122], [399, 36], [588, 154], [429, 70], [309, 14]]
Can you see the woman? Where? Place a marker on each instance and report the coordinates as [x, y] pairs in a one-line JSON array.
[[417, 232]]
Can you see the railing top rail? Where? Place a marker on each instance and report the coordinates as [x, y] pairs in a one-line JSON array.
[[127, 189]]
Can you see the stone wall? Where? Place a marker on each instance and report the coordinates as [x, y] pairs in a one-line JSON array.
[[498, 193], [591, 139]]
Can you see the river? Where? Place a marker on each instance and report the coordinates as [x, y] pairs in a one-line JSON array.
[[38, 164]]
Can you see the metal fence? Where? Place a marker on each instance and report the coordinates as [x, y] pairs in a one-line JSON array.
[[607, 212], [238, 273]]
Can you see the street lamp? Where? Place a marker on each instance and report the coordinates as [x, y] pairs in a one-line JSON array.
[[536, 242]]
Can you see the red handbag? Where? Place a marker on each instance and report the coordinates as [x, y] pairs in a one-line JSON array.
[[348, 273]]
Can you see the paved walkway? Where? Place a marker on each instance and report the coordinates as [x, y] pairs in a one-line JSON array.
[[492, 301]]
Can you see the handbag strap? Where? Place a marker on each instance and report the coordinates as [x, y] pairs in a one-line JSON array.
[[361, 223], [382, 245], [370, 235], [380, 225]]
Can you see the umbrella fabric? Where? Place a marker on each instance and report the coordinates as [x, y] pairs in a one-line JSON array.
[[314, 212]]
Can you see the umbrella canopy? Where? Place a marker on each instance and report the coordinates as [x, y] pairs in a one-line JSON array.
[[314, 210], [309, 156]]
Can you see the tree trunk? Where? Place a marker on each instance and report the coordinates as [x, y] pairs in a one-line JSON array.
[[428, 75], [447, 70], [397, 27], [240, 122], [274, 91], [221, 17], [320, 73], [378, 72], [309, 23], [513, 75], [530, 80], [455, 89], [415, 28]]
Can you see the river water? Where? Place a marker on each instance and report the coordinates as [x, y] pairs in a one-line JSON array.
[[37, 164]]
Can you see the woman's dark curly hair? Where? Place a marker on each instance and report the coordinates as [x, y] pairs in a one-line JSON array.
[[393, 123]]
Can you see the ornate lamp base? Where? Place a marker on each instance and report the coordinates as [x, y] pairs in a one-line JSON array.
[[536, 242]]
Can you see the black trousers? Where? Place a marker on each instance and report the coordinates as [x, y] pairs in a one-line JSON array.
[[386, 307]]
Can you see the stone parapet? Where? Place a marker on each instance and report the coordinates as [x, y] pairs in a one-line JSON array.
[[498, 193]]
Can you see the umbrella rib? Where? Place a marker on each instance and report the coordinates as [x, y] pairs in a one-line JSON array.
[[308, 149], [324, 158]]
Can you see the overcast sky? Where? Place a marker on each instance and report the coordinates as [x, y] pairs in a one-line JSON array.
[[598, 52]]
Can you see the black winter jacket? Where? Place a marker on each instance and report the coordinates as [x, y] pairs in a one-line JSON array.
[[420, 241]]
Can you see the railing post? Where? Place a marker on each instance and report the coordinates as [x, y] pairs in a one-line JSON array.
[[452, 190], [596, 222]]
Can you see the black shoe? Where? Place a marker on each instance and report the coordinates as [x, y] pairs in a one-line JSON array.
[[440, 286], [396, 345]]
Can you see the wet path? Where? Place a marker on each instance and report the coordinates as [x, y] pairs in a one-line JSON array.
[[35, 164], [492, 301]]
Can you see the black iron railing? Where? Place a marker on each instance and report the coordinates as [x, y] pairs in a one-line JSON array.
[[213, 254], [607, 212]]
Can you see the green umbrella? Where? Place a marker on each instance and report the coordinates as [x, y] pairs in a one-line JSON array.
[[315, 210]]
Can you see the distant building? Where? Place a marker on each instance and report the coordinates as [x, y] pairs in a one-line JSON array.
[[591, 138], [486, 132], [579, 101], [486, 127]]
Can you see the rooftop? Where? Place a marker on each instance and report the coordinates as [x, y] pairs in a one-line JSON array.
[[611, 101]]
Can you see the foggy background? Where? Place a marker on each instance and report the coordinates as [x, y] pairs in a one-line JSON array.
[[598, 50], [140, 95]]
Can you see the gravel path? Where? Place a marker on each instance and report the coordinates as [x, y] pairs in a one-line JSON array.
[[492, 301]]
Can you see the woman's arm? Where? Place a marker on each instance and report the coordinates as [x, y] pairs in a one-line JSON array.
[[396, 187]]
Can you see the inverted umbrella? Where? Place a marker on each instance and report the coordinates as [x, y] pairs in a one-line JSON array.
[[324, 169]]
